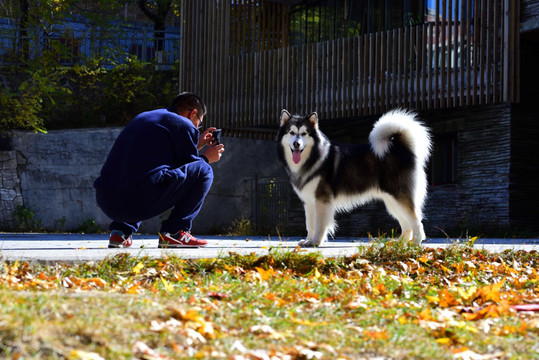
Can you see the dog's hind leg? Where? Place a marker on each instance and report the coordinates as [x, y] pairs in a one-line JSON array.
[[323, 224], [408, 217], [395, 210]]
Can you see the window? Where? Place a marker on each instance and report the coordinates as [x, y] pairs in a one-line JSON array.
[[324, 20], [444, 159]]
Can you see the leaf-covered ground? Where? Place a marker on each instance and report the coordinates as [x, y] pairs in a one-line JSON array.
[[390, 301]]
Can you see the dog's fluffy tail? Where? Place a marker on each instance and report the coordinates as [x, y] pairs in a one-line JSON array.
[[412, 132]]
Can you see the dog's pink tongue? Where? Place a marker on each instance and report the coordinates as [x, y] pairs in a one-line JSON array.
[[296, 156]]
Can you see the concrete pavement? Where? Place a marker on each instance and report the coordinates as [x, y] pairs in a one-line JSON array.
[[50, 248]]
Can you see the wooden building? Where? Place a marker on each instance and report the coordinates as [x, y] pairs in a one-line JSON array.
[[468, 67]]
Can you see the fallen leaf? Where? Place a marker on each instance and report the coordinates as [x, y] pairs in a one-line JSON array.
[[306, 322], [137, 268], [217, 296], [168, 287], [238, 346], [491, 292], [470, 355], [526, 307], [490, 311], [376, 334], [142, 351], [446, 299], [467, 294], [265, 274], [134, 289], [83, 355], [443, 340], [359, 301], [425, 315], [266, 330]]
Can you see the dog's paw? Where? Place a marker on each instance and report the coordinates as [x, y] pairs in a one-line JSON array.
[[308, 243]]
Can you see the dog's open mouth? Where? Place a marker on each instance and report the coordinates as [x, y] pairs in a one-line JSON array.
[[296, 156]]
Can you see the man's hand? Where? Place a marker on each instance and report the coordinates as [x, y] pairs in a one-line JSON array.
[[205, 138], [213, 152]]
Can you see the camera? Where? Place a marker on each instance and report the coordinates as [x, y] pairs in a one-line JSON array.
[[217, 136]]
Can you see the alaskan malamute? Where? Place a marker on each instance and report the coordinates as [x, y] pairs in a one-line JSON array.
[[330, 177]]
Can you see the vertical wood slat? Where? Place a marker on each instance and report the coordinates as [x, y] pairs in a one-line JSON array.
[[454, 61], [364, 80], [482, 54], [336, 100], [360, 78], [515, 36], [380, 44], [424, 67], [400, 57], [327, 71], [506, 57], [488, 54], [348, 76], [449, 47], [463, 47], [332, 71], [443, 49], [396, 71], [456, 48], [371, 74], [378, 72], [431, 100], [300, 68], [407, 68], [418, 62], [497, 41]]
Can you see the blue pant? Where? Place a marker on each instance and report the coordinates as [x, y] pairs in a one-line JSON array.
[[184, 193]]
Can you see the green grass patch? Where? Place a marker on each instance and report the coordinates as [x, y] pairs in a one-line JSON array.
[[391, 300]]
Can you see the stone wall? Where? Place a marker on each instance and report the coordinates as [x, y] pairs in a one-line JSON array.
[[10, 186], [53, 175]]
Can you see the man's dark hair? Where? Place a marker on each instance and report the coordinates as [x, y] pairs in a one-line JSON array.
[[187, 101]]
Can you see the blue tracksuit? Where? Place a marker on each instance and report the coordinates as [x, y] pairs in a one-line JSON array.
[[153, 166]]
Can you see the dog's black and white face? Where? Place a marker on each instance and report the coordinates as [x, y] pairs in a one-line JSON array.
[[296, 137]]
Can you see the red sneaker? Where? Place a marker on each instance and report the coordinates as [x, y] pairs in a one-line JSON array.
[[119, 240], [182, 239]]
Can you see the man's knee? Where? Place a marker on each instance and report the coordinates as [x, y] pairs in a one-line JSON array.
[[204, 172]]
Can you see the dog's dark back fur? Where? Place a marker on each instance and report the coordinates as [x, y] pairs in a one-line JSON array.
[[391, 174]]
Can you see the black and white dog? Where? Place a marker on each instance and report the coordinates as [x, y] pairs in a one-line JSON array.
[[330, 177]]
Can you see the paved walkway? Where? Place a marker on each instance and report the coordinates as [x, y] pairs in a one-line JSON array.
[[51, 248]]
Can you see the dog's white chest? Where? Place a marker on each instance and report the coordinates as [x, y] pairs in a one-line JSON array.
[[308, 192]]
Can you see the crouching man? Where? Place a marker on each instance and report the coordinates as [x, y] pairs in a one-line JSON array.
[[159, 161]]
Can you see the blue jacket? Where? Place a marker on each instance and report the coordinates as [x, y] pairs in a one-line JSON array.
[[150, 150]]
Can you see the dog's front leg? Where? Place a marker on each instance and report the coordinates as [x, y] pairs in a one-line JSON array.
[[309, 222], [323, 223]]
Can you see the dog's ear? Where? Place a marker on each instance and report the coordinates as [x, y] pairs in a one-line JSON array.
[[285, 116], [313, 119]]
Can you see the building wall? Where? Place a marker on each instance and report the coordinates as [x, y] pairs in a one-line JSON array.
[[480, 198], [524, 190]]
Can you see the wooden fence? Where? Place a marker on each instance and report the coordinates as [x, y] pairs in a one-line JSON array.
[[454, 59]]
